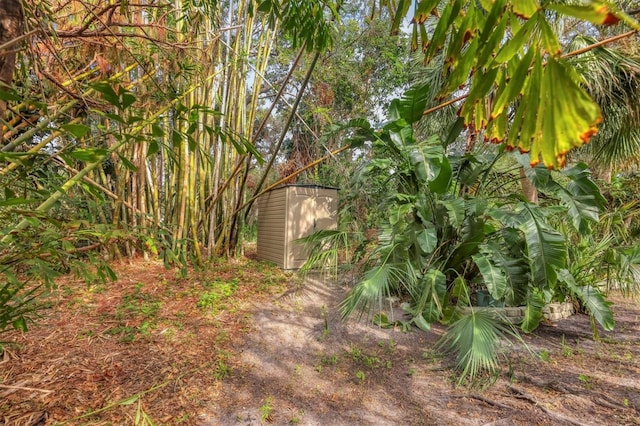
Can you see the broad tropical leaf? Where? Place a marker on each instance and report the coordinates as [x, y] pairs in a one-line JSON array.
[[546, 249], [410, 107], [426, 159], [493, 276], [533, 313], [429, 295]]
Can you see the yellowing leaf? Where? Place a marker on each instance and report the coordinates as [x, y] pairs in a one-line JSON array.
[[596, 12], [549, 39], [424, 9], [525, 8], [570, 116]]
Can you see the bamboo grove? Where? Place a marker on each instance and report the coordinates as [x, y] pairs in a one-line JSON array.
[[142, 119]]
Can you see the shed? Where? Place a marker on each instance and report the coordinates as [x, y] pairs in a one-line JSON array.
[[290, 212]]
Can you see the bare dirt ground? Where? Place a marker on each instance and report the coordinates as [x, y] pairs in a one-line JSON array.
[[274, 351]]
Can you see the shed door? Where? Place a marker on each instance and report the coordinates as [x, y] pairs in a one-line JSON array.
[[309, 212]]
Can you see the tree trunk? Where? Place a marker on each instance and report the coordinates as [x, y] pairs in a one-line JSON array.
[[603, 173], [528, 189], [10, 29]]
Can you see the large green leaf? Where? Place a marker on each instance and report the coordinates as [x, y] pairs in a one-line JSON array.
[[582, 185], [472, 233], [426, 159], [456, 208], [533, 312], [411, 105], [546, 248], [427, 238], [430, 295], [441, 183], [493, 276]]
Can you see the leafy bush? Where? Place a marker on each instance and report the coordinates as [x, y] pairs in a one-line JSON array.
[[455, 224]]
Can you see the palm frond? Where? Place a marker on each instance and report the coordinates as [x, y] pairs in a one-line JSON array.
[[475, 339], [592, 300], [378, 283]]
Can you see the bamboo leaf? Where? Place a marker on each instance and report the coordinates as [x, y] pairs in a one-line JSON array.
[[77, 130], [401, 12], [127, 163], [15, 202], [107, 93], [89, 155], [424, 10], [9, 94]]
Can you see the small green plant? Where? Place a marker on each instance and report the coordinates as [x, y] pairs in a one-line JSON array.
[[625, 402], [324, 312], [221, 371], [142, 418], [411, 372], [297, 417], [213, 299], [361, 376], [371, 361], [355, 353], [127, 333], [566, 350], [326, 360], [586, 380], [266, 410], [545, 355], [392, 345]]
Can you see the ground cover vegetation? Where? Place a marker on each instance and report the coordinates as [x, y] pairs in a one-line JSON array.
[[148, 130]]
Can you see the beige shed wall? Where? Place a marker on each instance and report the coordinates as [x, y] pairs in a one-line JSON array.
[[292, 212]]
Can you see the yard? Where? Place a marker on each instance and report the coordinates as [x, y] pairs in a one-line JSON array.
[[244, 344]]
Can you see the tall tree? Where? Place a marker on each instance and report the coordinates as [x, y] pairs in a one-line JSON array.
[[11, 16]]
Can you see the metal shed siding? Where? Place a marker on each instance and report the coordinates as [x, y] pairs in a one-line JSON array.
[[272, 226], [292, 212]]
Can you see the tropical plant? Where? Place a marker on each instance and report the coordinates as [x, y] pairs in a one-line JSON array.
[[448, 228], [453, 226]]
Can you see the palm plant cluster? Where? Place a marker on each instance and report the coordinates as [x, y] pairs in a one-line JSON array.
[[454, 220]]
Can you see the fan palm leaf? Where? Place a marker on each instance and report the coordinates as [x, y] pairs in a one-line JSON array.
[[475, 339], [611, 77]]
